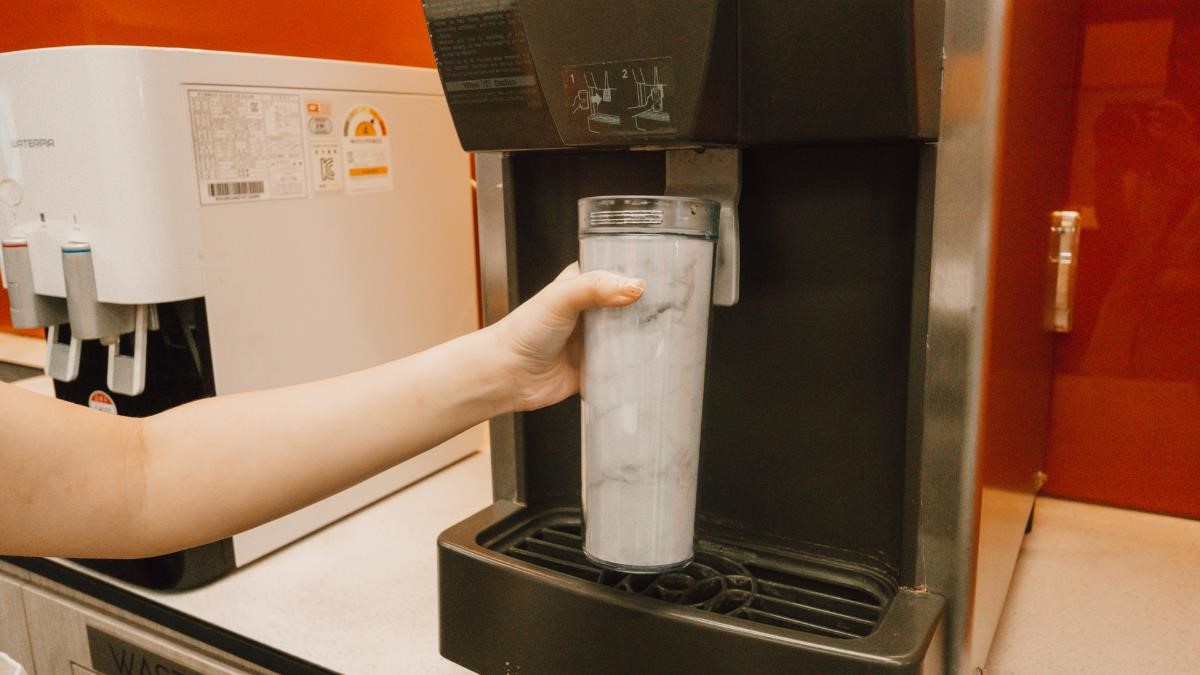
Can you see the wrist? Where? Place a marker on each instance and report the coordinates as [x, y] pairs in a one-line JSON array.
[[496, 373]]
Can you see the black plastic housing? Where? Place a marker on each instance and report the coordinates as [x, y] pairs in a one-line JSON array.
[[499, 614], [748, 72]]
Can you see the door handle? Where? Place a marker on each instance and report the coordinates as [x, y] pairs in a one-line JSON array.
[[1062, 264]]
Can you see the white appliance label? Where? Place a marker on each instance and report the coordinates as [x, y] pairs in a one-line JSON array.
[[368, 155], [248, 145]]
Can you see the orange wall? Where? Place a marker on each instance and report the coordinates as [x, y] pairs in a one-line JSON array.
[[389, 32], [1092, 120], [1125, 421]]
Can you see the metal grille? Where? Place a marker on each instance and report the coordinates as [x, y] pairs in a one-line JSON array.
[[724, 580]]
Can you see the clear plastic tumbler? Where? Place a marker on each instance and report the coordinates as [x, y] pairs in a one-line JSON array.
[[643, 378]]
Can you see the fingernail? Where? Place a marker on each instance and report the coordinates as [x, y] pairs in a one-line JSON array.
[[633, 287]]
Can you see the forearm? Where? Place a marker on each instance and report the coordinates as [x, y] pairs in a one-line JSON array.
[[69, 487], [82, 484], [223, 465]]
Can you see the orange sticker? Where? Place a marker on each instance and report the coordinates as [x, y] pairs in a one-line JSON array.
[[100, 400]]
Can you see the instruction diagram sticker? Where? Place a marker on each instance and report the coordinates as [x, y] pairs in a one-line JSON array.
[[248, 145], [367, 155], [619, 99]]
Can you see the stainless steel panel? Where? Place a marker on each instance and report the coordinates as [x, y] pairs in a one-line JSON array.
[[498, 264], [949, 495]]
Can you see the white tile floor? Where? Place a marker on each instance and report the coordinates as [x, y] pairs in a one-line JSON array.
[[1102, 590], [1097, 590]]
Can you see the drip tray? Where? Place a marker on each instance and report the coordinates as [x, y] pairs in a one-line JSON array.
[[517, 595], [790, 593]]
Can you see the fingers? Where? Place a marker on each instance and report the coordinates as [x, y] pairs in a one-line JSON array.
[[570, 295]]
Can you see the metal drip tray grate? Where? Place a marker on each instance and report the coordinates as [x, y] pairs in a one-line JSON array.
[[766, 588]]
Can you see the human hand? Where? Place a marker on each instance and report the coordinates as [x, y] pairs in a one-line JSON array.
[[539, 341]]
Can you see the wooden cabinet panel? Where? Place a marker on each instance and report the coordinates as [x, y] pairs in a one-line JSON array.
[[14, 634], [58, 631]]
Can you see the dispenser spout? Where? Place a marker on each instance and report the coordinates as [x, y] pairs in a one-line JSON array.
[[29, 309], [716, 174], [93, 319]]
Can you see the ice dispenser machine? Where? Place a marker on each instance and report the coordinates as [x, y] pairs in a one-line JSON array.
[[820, 541]]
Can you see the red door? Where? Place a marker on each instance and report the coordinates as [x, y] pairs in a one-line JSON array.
[[1125, 405]]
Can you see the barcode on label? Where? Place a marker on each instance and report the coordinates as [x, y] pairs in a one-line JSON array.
[[238, 189]]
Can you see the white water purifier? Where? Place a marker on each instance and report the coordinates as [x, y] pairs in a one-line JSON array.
[[188, 223]]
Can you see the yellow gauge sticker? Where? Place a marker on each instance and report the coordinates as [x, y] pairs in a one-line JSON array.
[[367, 150]]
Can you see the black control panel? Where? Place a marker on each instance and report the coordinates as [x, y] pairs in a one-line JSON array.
[[542, 74]]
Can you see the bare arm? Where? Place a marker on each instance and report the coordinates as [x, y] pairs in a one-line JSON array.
[[79, 483]]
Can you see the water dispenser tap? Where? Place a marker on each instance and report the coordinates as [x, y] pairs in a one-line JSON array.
[[92, 319], [29, 309]]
